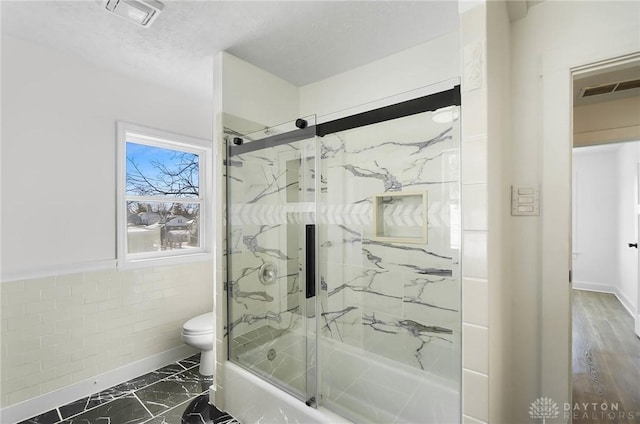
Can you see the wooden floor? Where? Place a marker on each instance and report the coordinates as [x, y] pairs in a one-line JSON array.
[[606, 360]]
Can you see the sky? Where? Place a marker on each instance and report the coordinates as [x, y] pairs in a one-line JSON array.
[[144, 155]]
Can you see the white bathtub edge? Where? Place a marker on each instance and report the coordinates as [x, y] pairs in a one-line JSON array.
[[250, 399]]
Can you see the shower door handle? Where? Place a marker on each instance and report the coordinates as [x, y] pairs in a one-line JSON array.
[[633, 245], [310, 260]]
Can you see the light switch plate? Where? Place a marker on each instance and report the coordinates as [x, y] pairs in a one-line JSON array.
[[525, 200]]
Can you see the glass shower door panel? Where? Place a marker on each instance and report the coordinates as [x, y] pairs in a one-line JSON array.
[[390, 297], [271, 256]]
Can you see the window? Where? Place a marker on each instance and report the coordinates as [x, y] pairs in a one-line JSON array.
[[162, 206]]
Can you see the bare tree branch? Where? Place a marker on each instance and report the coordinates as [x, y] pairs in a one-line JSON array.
[[179, 177]]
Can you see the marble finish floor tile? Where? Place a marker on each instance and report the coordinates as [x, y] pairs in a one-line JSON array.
[[49, 417], [124, 410], [112, 393], [174, 390], [174, 394], [196, 411]]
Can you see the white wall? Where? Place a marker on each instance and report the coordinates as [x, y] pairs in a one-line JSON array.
[[605, 220], [596, 218], [255, 95], [498, 210], [66, 324], [58, 152], [416, 67], [475, 235], [554, 38], [485, 169]]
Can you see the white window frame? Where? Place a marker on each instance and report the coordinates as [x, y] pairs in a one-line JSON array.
[[127, 132]]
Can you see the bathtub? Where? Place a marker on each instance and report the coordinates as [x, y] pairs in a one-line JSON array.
[[252, 400], [360, 380]]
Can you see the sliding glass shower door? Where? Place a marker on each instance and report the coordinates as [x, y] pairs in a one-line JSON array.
[[389, 314], [271, 255], [343, 266]]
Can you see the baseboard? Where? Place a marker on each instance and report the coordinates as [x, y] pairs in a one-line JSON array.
[[588, 286], [603, 288], [628, 305], [48, 401]]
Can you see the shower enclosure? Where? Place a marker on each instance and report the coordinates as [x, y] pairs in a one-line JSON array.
[[343, 270]]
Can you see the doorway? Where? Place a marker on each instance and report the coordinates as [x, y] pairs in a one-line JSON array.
[[605, 290]]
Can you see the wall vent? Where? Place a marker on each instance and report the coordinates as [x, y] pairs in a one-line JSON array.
[[598, 89], [610, 88], [628, 85]]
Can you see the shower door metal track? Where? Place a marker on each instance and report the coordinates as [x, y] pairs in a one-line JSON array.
[[273, 141], [428, 103]]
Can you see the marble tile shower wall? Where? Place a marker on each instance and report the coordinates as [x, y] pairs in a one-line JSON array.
[[266, 213], [391, 299], [394, 299], [60, 330]]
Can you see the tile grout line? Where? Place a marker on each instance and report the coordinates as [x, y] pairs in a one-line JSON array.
[[175, 407], [142, 403], [92, 408]]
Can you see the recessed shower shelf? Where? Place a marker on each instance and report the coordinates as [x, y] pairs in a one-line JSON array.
[[400, 217]]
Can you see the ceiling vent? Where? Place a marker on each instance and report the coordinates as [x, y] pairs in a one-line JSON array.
[[141, 12], [610, 88]]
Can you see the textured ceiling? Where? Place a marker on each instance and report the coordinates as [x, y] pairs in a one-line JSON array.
[[300, 41]]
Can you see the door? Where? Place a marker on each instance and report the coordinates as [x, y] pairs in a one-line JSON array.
[[271, 264], [637, 205], [637, 314]]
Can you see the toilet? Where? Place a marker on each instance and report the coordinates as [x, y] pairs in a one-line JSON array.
[[198, 332]]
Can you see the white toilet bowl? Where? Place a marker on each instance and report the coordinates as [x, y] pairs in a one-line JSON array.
[[198, 332]]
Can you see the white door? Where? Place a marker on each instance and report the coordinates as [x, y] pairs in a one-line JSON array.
[[637, 314], [637, 311]]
